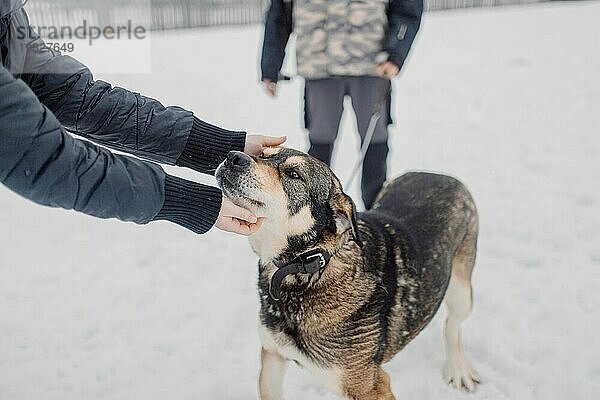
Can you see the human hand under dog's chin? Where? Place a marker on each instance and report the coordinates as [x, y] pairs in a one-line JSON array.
[[235, 219], [255, 144]]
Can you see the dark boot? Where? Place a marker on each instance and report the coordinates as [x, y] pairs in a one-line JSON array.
[[321, 152], [374, 172]]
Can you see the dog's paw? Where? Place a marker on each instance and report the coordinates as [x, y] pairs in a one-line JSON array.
[[459, 374]]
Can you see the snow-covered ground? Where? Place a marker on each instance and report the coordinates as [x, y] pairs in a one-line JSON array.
[[506, 99]]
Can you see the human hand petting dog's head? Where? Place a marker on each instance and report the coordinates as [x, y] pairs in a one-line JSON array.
[[256, 144]]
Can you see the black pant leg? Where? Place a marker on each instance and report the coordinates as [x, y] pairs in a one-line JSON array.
[[321, 152], [374, 172]]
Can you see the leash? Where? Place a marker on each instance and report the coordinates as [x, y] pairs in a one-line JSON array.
[[375, 117]]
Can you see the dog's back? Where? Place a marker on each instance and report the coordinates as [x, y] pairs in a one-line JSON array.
[[436, 210], [421, 220]]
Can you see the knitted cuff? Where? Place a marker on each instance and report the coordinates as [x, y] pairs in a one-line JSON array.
[[208, 146], [191, 205]]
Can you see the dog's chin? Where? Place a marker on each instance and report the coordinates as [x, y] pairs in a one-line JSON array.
[[238, 197]]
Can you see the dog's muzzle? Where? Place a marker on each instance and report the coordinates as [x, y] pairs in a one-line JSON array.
[[228, 173], [237, 161]]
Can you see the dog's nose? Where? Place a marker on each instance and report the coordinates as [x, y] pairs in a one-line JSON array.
[[238, 161]]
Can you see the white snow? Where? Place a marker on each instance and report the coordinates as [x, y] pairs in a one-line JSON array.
[[507, 100]]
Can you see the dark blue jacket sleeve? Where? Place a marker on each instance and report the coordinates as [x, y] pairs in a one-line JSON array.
[[278, 28], [118, 118], [404, 18], [43, 163], [112, 116]]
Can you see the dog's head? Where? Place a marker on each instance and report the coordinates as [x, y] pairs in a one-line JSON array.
[[300, 198]]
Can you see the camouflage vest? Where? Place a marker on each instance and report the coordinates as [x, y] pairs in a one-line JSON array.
[[339, 37]]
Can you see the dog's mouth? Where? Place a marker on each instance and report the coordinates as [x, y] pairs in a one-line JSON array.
[[235, 187]]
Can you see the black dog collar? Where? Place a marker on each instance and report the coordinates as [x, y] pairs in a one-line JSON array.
[[307, 263]]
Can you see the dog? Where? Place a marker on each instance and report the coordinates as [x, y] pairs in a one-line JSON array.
[[341, 293]]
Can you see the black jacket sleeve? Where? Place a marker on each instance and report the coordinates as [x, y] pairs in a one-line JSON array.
[[42, 162], [404, 18], [278, 28], [118, 118]]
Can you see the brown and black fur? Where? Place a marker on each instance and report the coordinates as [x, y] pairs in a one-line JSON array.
[[389, 275]]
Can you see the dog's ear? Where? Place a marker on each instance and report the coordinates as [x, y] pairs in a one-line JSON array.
[[344, 215]]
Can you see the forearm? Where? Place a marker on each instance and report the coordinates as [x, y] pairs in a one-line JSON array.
[[190, 204], [43, 163], [404, 18], [112, 116], [207, 146], [118, 118], [128, 121], [278, 28]]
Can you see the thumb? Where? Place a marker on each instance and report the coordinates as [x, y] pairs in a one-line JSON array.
[[271, 141]]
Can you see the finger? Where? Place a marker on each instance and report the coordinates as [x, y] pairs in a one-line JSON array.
[[241, 213], [242, 228], [246, 228], [271, 141], [228, 224], [234, 225], [255, 227]]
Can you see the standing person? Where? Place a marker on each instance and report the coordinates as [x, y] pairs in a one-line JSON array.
[[43, 94], [344, 48]]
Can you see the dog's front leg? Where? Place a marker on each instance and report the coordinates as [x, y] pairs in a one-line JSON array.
[[272, 371], [368, 383]]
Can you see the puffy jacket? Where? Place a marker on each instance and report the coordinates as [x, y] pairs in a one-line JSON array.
[[44, 94], [339, 37]]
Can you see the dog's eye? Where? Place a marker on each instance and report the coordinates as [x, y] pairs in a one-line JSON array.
[[292, 173]]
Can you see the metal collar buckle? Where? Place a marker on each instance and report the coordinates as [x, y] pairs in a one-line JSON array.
[[319, 256], [308, 263]]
